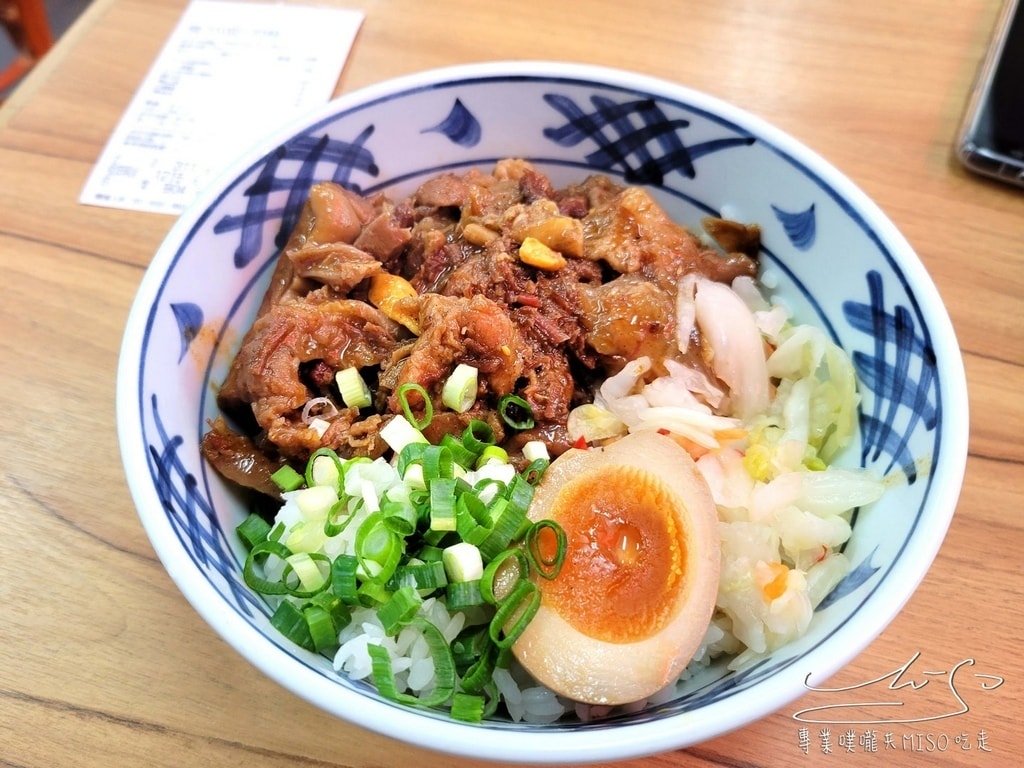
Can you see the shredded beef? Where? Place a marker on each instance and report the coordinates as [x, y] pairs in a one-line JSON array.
[[549, 336]]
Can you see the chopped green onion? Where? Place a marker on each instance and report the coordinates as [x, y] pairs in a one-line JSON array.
[[477, 436], [516, 412], [305, 536], [257, 557], [507, 520], [411, 454], [462, 562], [546, 563], [523, 528], [325, 468], [442, 504], [399, 610], [430, 553], [320, 626], [481, 671], [343, 578], [335, 607], [489, 488], [501, 576], [459, 392], [420, 498], [413, 477], [289, 620], [400, 516], [460, 595], [468, 646], [444, 669], [535, 449], [378, 548], [505, 658], [519, 493], [438, 538], [467, 708], [519, 608], [287, 479], [473, 541], [373, 593], [400, 432], [472, 505], [492, 453], [368, 494], [312, 569], [382, 672], [253, 530], [535, 470], [353, 388], [426, 576], [340, 515], [472, 520], [428, 407], [437, 463], [460, 453], [491, 699]]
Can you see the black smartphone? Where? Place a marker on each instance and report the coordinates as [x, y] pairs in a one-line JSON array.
[[991, 140]]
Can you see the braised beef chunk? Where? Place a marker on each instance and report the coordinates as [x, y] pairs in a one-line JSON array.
[[384, 236], [734, 237], [406, 290], [267, 373], [239, 459], [535, 186], [476, 331], [627, 318], [332, 214], [339, 265], [444, 191]]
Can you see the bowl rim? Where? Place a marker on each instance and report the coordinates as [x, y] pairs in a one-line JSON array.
[[550, 746]]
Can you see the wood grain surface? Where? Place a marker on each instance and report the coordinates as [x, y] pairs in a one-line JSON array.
[[103, 662]]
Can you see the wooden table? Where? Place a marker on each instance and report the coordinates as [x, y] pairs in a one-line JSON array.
[[102, 661]]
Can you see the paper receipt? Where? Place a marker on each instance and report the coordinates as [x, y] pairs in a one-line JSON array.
[[229, 75]]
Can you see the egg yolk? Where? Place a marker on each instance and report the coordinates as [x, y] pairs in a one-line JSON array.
[[625, 554]]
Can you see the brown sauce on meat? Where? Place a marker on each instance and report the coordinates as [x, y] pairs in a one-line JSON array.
[[547, 334]]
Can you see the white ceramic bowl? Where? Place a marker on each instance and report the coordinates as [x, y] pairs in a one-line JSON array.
[[841, 262]]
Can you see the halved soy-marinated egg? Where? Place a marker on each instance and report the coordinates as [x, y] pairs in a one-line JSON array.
[[634, 597]]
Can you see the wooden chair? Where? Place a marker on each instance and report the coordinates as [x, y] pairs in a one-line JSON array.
[[27, 25]]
